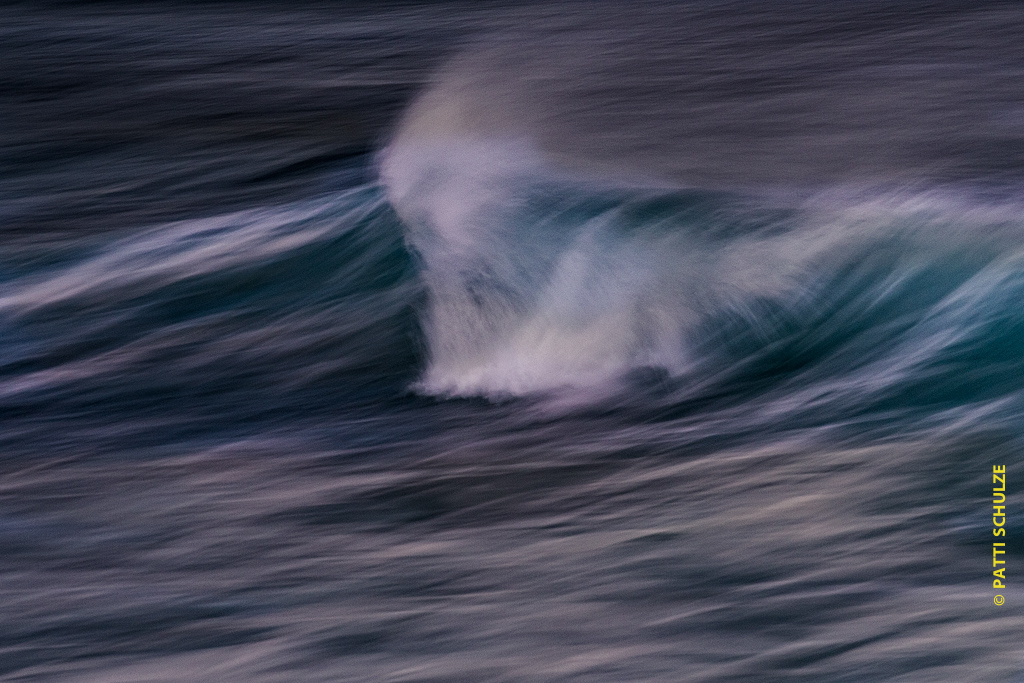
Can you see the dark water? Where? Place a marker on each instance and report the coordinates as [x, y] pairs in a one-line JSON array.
[[547, 342]]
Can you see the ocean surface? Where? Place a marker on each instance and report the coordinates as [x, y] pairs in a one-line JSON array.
[[453, 342]]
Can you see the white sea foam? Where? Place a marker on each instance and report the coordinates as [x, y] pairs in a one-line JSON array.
[[538, 280]]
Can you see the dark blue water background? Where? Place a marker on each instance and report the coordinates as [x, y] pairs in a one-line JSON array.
[[547, 342]]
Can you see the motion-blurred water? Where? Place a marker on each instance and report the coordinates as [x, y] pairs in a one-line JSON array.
[[546, 342]]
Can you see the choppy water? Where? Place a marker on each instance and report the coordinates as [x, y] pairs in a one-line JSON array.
[[556, 342]]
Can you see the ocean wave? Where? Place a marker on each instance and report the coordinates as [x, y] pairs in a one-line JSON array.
[[540, 279]]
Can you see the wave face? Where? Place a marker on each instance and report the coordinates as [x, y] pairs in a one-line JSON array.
[[540, 279], [675, 343]]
